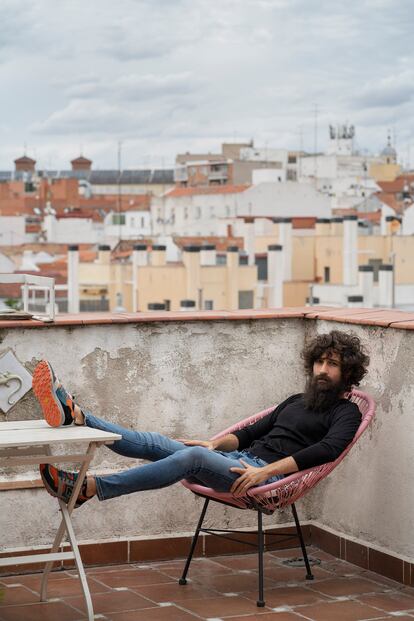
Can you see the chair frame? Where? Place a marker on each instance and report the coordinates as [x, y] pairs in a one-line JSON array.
[[265, 499]]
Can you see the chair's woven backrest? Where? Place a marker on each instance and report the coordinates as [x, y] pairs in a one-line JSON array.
[[291, 488]]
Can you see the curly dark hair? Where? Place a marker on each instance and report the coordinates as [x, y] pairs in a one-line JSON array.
[[354, 360]]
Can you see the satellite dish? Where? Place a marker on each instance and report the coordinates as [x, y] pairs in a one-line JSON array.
[[37, 211]]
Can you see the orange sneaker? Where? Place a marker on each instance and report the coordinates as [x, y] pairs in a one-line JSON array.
[[60, 484], [57, 404]]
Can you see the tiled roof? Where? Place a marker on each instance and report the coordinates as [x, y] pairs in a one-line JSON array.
[[100, 177], [397, 185], [218, 189]]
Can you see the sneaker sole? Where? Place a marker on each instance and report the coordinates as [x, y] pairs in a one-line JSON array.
[[42, 383], [50, 489]]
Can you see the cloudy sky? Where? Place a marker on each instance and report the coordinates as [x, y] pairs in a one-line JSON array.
[[167, 76]]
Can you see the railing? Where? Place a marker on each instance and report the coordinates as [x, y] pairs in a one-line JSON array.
[[30, 282]]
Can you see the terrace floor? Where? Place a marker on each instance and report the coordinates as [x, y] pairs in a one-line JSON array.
[[220, 588]]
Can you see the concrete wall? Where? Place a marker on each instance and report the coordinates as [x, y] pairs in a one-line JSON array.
[[193, 378], [183, 379], [370, 496]]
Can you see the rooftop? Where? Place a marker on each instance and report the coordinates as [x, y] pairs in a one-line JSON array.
[[190, 375], [221, 587]]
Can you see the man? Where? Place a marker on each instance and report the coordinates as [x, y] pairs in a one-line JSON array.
[[304, 431]]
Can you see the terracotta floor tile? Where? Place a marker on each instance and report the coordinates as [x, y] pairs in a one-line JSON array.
[[72, 586], [29, 580], [343, 568], [390, 602], [197, 567], [132, 578], [113, 601], [174, 592], [392, 584], [166, 613], [339, 611], [18, 595], [244, 561], [268, 616], [233, 583], [48, 611], [346, 586], [221, 607], [288, 596], [280, 573]]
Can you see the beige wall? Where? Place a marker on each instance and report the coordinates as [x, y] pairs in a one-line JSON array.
[[384, 172]]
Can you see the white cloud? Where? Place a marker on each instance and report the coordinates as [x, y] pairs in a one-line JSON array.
[[180, 74]]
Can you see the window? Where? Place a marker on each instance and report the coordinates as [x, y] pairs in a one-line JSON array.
[[243, 259], [185, 213], [261, 263], [211, 212], [227, 211], [291, 159], [118, 218], [327, 274], [221, 259], [198, 213], [246, 299], [142, 222], [208, 304]]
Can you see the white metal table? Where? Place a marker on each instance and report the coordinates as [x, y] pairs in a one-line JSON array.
[[32, 442]]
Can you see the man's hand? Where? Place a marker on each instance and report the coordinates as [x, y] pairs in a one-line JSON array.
[[249, 477], [206, 443]]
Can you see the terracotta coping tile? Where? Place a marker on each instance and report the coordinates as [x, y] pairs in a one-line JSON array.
[[363, 316]]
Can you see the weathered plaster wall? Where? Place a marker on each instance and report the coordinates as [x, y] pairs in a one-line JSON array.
[[195, 378], [183, 379], [371, 494]]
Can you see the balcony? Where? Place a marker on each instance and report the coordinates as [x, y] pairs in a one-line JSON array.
[[192, 374]]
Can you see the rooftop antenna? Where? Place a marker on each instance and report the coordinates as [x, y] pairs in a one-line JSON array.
[[119, 189], [315, 141]]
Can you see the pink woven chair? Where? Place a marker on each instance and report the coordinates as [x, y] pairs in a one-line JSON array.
[[267, 498]]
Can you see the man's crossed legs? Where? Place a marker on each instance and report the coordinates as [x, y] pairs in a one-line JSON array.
[[171, 460]]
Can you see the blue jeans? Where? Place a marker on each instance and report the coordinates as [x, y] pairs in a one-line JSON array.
[[171, 462]]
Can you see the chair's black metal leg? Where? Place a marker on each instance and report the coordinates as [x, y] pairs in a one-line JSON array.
[[309, 575], [183, 580], [260, 547]]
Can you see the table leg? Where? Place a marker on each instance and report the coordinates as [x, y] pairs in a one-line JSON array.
[[78, 560], [63, 525]]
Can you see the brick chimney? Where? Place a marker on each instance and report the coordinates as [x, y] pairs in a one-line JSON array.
[[81, 163], [25, 164]]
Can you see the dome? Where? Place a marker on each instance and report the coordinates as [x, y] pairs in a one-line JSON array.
[[389, 151]]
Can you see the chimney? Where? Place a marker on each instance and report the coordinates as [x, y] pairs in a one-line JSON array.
[[337, 226], [355, 301], [187, 305], [81, 163], [232, 255], [392, 225], [73, 278], [275, 264], [25, 164], [386, 285], [249, 240], [104, 254], [139, 259], [366, 284], [349, 250], [322, 226], [208, 254], [285, 240], [158, 255], [191, 260]]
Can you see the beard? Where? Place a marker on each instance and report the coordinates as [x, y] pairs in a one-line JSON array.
[[321, 393]]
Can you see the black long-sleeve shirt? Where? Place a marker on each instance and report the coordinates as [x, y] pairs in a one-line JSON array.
[[291, 430]]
